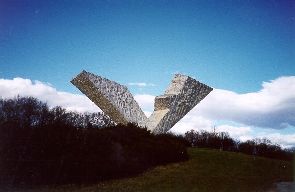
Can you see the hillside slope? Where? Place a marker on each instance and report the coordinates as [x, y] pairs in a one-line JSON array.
[[207, 170]]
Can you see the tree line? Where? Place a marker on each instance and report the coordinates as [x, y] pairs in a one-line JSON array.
[[222, 141], [40, 145]]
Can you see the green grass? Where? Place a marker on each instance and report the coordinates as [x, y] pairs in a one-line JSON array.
[[207, 170]]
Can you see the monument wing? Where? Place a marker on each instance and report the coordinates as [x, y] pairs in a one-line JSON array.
[[183, 94], [112, 98]]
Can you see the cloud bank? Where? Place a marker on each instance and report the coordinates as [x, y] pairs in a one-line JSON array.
[[45, 92], [271, 107]]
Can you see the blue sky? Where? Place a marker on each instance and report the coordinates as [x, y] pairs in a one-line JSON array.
[[229, 45], [233, 45]]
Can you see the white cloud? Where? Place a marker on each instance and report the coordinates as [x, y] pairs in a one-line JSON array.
[[140, 84], [271, 107], [238, 132], [145, 101], [190, 122], [45, 92], [285, 140]]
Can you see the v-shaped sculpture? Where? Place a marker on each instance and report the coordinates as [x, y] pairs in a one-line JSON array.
[[182, 95]]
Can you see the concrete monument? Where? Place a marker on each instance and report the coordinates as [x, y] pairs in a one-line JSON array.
[[183, 94]]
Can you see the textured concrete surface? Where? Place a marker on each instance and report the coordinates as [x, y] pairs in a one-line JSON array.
[[112, 98], [116, 101], [182, 95]]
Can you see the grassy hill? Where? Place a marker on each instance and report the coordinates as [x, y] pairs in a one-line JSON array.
[[207, 170]]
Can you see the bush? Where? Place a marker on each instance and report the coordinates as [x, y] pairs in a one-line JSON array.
[[39, 145], [222, 141], [264, 148], [214, 140]]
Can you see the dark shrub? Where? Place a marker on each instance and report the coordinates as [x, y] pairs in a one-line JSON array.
[[39, 145], [222, 141], [264, 148]]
